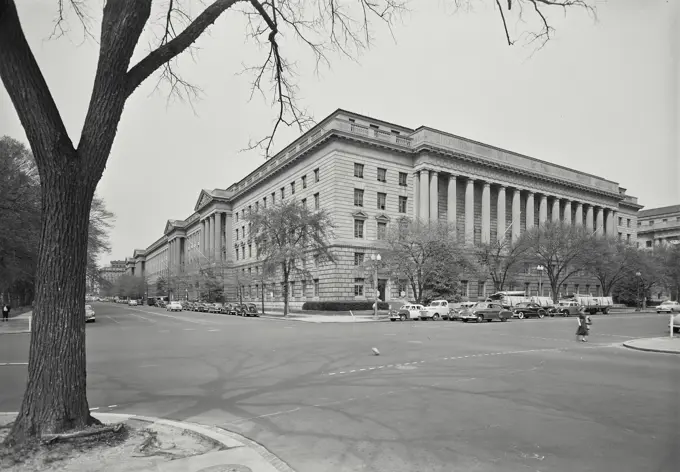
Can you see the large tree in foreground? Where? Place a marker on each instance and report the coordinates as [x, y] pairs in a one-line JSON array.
[[562, 249], [55, 398], [286, 237]]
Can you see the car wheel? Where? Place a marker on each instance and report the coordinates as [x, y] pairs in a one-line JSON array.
[[504, 318], [436, 317], [393, 319], [565, 313], [541, 314], [480, 318], [402, 317], [520, 315], [605, 311]]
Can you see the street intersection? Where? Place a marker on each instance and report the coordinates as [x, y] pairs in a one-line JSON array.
[[441, 396]]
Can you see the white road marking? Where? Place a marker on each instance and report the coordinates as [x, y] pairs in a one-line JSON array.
[[112, 319], [112, 406], [212, 330], [95, 408], [13, 363], [143, 318], [189, 329], [183, 320]]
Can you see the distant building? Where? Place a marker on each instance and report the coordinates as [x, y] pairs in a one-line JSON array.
[[367, 173], [659, 226], [112, 272]]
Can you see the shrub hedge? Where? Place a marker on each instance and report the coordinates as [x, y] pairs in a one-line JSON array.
[[343, 305]]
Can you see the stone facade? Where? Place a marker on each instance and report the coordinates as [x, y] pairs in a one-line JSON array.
[[113, 271], [367, 173], [658, 226]]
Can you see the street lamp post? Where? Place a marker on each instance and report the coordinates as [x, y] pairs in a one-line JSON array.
[[540, 270], [376, 260], [638, 278]]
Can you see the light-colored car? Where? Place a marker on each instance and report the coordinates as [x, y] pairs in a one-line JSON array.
[[173, 306], [456, 309], [132, 303], [89, 314], [436, 310], [668, 307], [676, 324], [406, 312]]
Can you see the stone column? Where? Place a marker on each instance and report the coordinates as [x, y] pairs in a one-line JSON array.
[[218, 236], [470, 211], [578, 216], [530, 211], [612, 225], [516, 214], [556, 209], [500, 214], [486, 213], [567, 212], [179, 255], [451, 201], [599, 224], [416, 195], [424, 195], [202, 243], [543, 210], [229, 234], [171, 255], [208, 228], [434, 196], [589, 218], [211, 235]]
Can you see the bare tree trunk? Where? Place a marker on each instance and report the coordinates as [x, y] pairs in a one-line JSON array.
[[55, 399], [285, 292], [262, 299]]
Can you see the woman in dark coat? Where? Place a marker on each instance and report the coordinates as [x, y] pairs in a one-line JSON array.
[[582, 329]]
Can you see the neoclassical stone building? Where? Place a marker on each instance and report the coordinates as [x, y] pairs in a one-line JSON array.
[[367, 173], [657, 226]]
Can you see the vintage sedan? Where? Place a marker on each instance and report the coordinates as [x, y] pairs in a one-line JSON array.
[[668, 307], [406, 312], [485, 311], [566, 308], [676, 323], [529, 310], [89, 314]]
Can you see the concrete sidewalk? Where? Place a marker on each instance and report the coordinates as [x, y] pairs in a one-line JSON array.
[[315, 318], [240, 454], [666, 345], [17, 324]]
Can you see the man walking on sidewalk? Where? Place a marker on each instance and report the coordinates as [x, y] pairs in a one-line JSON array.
[[5, 312]]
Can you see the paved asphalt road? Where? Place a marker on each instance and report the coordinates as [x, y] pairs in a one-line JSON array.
[[442, 396]]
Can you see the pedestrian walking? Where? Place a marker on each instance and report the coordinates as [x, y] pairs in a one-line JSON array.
[[584, 323], [5, 312]]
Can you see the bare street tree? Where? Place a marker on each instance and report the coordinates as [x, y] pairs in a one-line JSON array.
[[55, 398], [502, 259]]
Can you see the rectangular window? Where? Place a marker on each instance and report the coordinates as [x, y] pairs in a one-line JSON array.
[[236, 234], [359, 170], [628, 223], [358, 287], [243, 213], [273, 198], [243, 231], [648, 244], [250, 209], [264, 202], [316, 287], [292, 188], [382, 174], [402, 179], [316, 201], [481, 289], [250, 252], [237, 216], [304, 289], [620, 236], [283, 193], [402, 204], [576, 289], [316, 260], [466, 287], [588, 289], [304, 203], [382, 200], [316, 175], [257, 206], [358, 258], [358, 197], [628, 238], [382, 230], [304, 181], [237, 254], [620, 221], [359, 229]]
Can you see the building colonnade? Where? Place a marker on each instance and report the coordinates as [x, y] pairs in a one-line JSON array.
[[598, 219]]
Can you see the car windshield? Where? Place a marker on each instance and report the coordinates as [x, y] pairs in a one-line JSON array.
[[668, 302], [481, 305], [436, 303]]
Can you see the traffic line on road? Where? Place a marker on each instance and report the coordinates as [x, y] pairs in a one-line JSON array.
[[469, 356], [13, 363]]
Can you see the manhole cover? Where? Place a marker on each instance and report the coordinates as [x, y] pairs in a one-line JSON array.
[[227, 468], [406, 367]]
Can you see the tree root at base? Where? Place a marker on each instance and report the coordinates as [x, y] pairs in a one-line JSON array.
[[52, 438]]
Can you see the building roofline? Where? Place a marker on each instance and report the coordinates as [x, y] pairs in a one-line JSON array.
[[659, 211]]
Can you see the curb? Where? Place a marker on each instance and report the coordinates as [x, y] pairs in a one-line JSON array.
[[647, 349], [15, 332], [228, 439], [282, 318]]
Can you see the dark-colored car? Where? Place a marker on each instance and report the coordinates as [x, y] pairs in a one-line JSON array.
[[529, 310], [485, 311], [240, 309], [250, 310]]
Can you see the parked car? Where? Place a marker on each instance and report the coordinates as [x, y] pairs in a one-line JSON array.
[[456, 308], [240, 309], [529, 310], [174, 306], [250, 310], [89, 314], [201, 307], [676, 323], [436, 310], [485, 311], [409, 311], [132, 303], [226, 309], [668, 307], [214, 308], [161, 303], [566, 308]]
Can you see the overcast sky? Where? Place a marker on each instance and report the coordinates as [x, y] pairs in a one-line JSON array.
[[602, 97]]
